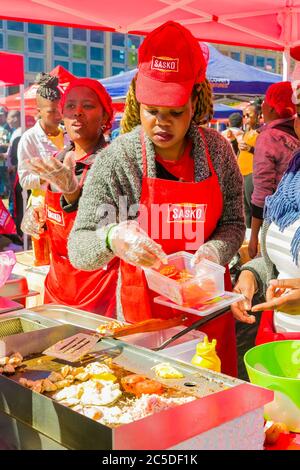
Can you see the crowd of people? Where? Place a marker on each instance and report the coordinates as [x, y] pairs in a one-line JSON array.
[[97, 202]]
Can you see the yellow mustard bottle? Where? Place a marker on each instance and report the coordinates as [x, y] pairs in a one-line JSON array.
[[206, 355]]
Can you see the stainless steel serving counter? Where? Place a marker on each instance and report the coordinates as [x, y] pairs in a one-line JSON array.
[[227, 413]]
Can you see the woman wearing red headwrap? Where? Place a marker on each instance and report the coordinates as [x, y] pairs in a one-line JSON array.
[[87, 113], [273, 150]]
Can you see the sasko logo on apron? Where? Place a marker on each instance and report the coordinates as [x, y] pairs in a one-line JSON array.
[[186, 213], [57, 217]]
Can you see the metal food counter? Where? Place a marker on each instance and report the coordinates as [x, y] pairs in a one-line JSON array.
[[226, 414]]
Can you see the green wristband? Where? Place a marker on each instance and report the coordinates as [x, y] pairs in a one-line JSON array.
[[107, 240]]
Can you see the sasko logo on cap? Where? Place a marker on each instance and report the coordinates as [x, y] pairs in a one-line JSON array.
[[165, 64], [169, 48]]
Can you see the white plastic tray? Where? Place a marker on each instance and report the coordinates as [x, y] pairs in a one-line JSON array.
[[218, 303]]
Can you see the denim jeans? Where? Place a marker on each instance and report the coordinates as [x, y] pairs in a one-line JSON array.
[[3, 179]]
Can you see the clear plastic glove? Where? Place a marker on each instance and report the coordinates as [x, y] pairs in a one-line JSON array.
[[61, 175], [205, 252], [132, 244], [247, 286], [282, 295], [33, 221]]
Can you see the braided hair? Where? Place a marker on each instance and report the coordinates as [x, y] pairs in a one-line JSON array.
[[48, 86], [201, 94]]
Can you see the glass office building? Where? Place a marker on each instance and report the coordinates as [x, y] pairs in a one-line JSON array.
[[85, 53], [96, 54], [268, 60]]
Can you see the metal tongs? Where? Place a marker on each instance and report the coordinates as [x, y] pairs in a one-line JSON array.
[[193, 326]]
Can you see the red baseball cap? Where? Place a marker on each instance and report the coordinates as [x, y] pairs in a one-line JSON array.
[[170, 63], [279, 96]]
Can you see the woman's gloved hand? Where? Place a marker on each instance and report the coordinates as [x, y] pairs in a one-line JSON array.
[[205, 252], [282, 295], [61, 175], [132, 244], [33, 221], [247, 286]]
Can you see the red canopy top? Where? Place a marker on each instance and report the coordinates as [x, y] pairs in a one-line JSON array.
[[11, 69], [268, 24]]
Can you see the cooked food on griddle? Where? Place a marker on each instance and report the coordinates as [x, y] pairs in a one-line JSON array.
[[9, 364], [166, 371], [108, 393], [139, 385], [138, 408], [96, 369], [110, 327], [73, 391], [99, 393], [55, 376]]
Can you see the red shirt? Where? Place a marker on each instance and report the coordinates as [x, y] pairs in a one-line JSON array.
[[184, 168]]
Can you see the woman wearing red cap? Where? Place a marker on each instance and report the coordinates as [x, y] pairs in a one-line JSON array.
[[182, 184], [87, 113], [274, 148]]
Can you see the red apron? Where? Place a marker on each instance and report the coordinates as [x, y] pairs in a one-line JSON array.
[[266, 331], [204, 197], [93, 291]]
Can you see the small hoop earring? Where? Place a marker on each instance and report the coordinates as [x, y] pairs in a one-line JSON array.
[[103, 127]]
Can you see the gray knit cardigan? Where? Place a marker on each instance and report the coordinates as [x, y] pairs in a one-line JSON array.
[[117, 171], [262, 267]]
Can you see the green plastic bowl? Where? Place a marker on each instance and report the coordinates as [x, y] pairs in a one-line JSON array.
[[276, 366]]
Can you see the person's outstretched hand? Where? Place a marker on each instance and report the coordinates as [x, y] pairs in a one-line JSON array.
[[247, 286], [282, 295]]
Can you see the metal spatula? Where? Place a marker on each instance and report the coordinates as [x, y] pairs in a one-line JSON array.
[[73, 348]]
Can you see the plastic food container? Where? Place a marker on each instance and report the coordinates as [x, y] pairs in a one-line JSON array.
[[185, 351], [207, 281], [151, 340]]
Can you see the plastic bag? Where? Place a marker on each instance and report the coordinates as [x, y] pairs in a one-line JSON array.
[[7, 262], [33, 221]]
